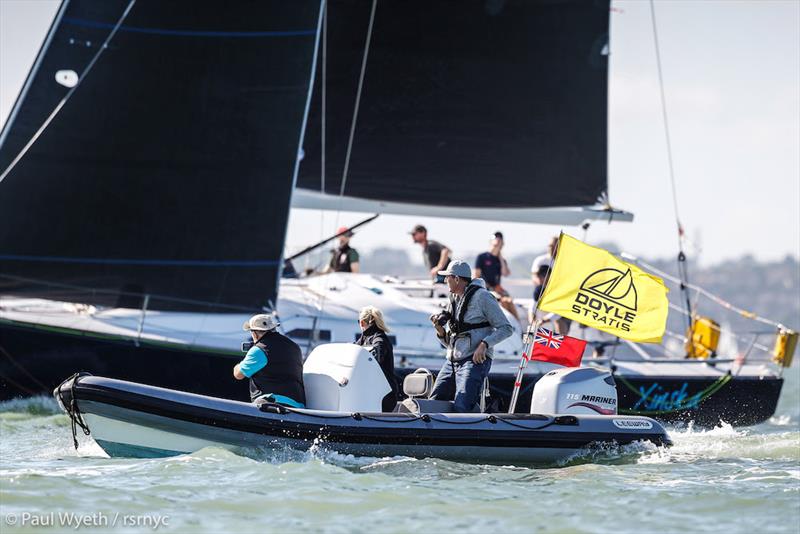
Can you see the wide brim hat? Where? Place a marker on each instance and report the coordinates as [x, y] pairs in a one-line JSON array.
[[262, 322]]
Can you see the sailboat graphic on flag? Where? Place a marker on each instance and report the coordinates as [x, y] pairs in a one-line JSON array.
[[613, 285]]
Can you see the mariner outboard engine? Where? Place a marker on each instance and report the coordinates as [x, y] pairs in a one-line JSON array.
[[571, 390]]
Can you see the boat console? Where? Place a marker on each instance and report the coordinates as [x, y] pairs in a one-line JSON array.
[[343, 377]]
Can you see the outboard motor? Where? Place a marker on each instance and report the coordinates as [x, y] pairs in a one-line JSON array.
[[575, 390]]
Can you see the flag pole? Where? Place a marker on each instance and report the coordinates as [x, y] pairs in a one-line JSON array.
[[527, 349], [523, 363]]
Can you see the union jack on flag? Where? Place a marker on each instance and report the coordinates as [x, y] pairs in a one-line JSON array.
[[548, 338]]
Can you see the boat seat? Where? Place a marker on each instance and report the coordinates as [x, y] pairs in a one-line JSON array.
[[418, 387], [418, 384]]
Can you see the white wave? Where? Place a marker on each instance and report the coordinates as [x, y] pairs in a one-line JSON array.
[[38, 405], [781, 420], [610, 453], [727, 442]]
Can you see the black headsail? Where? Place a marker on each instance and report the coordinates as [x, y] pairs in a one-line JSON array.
[[169, 169], [476, 103]]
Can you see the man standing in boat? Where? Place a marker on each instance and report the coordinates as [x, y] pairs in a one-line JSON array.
[[435, 254], [344, 258], [274, 364], [469, 328]]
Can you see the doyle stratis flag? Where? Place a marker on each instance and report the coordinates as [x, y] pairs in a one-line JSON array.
[[554, 348], [591, 286]]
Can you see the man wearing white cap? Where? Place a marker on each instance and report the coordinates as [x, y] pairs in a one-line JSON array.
[[274, 364], [470, 327]]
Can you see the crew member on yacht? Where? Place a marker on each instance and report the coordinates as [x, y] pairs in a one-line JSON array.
[[274, 364], [470, 327], [374, 338], [540, 269], [435, 254], [492, 267], [344, 258]]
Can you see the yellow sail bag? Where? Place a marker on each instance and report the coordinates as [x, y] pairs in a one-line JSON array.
[[785, 344], [703, 338]]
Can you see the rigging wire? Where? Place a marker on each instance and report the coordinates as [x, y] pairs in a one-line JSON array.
[[666, 124], [358, 99], [359, 90], [323, 120], [69, 94], [711, 296], [323, 95], [682, 268]]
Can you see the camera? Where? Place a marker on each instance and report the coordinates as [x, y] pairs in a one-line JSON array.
[[442, 318], [247, 345]]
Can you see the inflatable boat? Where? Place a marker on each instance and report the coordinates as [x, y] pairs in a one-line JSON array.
[[344, 388]]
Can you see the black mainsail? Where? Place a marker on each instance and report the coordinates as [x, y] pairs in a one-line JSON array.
[[479, 103], [169, 169]]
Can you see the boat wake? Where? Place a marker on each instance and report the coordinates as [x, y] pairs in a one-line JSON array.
[[725, 442], [32, 406]]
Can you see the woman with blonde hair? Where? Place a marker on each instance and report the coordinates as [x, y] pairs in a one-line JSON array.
[[374, 338]]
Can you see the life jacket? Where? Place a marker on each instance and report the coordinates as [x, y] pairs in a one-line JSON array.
[[340, 259], [457, 324], [283, 374]]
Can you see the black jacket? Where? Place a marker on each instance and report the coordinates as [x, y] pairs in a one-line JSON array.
[[283, 374], [383, 352]]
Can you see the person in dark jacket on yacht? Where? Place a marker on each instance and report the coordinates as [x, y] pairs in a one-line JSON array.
[[374, 338]]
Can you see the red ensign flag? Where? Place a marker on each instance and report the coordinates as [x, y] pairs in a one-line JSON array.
[[551, 347]]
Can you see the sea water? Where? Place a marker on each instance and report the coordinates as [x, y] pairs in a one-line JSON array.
[[713, 480]]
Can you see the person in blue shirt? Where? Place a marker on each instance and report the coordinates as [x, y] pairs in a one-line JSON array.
[[274, 364]]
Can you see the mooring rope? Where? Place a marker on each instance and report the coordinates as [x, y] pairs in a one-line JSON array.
[[410, 418], [74, 413]]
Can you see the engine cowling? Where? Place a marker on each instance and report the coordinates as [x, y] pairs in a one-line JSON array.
[[571, 390]]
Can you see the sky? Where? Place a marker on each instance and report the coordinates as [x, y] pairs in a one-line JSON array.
[[732, 82]]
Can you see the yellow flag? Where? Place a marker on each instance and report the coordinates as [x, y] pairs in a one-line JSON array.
[[591, 286]]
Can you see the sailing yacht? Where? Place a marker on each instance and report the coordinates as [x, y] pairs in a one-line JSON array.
[[151, 159]]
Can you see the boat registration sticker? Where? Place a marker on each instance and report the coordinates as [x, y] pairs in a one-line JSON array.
[[629, 424]]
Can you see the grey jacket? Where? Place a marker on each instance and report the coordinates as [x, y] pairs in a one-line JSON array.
[[483, 307]]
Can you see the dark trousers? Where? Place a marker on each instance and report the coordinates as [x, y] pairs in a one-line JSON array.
[[462, 382]]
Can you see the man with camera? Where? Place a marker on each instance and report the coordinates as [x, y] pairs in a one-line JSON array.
[[469, 328], [273, 363]]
